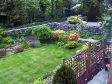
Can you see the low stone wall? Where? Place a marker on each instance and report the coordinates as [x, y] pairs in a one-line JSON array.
[[93, 28]]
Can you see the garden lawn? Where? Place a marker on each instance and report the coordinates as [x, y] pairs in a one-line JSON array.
[[25, 67]]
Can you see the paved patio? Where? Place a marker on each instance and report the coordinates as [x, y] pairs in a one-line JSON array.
[[100, 78]]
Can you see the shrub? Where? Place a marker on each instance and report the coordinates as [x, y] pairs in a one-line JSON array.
[[63, 38], [65, 75], [43, 33], [5, 41], [25, 44], [55, 37], [74, 20], [85, 35], [72, 44], [59, 32], [73, 37], [98, 37]]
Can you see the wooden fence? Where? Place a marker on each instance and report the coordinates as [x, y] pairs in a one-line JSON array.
[[87, 63]]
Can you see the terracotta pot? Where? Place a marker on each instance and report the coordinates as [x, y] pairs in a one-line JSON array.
[[3, 53]]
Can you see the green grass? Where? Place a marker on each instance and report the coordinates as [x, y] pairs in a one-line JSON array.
[[25, 67]]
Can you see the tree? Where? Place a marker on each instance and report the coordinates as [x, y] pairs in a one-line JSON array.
[[14, 12], [92, 8]]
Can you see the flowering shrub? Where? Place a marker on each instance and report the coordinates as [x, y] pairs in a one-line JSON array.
[[72, 44], [74, 20], [55, 37], [57, 34], [73, 37]]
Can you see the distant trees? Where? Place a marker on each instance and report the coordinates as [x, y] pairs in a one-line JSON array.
[[17, 12], [92, 9], [12, 12]]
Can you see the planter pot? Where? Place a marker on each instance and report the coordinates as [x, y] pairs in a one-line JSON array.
[[3, 53]]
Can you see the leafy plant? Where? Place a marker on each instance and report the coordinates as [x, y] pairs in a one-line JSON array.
[[74, 20], [97, 37], [59, 32], [85, 35], [72, 44], [43, 33], [55, 37], [64, 75], [63, 38], [5, 41], [25, 44]]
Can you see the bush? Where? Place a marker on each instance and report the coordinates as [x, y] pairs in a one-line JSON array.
[[65, 75], [74, 20], [25, 44], [98, 37], [5, 41], [55, 37], [43, 33], [59, 32], [73, 37], [63, 38], [86, 35], [72, 44]]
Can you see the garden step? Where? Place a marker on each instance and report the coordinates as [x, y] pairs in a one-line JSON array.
[[100, 78]]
